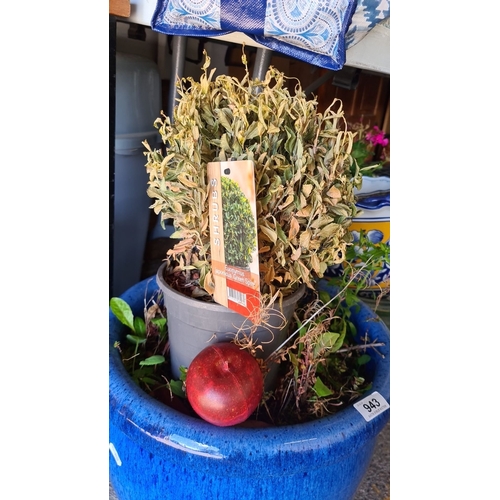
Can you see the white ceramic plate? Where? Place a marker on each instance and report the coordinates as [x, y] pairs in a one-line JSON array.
[[374, 185]]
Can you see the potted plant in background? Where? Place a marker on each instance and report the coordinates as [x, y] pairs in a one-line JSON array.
[[305, 180], [370, 150], [372, 224]]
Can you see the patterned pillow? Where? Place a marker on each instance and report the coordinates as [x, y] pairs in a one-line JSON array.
[[312, 31], [368, 14]]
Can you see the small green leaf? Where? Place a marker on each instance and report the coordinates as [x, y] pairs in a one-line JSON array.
[[139, 327], [368, 387], [338, 344], [176, 387], [252, 131], [161, 323], [148, 380], [281, 234], [326, 341], [363, 359], [157, 359], [321, 389], [324, 296], [139, 374], [299, 148], [290, 142], [122, 312], [136, 340], [295, 364], [183, 371]]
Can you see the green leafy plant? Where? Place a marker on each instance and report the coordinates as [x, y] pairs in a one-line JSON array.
[[369, 149], [304, 175], [323, 359], [239, 227], [144, 354]]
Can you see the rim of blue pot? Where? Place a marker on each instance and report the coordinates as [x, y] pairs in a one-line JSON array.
[[141, 416]]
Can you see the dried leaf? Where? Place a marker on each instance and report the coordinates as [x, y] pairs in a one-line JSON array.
[[315, 264], [304, 212], [328, 231], [287, 202], [335, 194], [305, 238], [269, 233], [296, 253], [306, 189], [294, 228], [184, 180], [196, 132]]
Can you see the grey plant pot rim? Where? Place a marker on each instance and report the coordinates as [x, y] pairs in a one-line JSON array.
[[140, 415], [213, 306]]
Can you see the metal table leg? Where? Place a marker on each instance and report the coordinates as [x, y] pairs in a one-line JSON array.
[[178, 57], [262, 61], [177, 71]]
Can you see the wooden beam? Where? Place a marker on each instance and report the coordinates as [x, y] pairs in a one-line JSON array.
[[119, 8]]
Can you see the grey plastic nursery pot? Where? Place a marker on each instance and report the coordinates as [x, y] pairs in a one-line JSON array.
[[194, 324]]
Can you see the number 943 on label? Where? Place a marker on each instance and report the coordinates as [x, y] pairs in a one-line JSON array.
[[371, 406]]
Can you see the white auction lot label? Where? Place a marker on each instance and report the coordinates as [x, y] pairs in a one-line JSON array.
[[371, 406]]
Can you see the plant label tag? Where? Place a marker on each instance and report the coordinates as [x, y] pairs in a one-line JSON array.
[[371, 406], [233, 236]]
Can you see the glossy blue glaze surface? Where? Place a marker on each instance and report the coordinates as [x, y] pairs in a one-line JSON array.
[[161, 454], [375, 201]]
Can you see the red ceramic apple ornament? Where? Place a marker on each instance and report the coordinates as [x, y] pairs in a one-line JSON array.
[[224, 384]]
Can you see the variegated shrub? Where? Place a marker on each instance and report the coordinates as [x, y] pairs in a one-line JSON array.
[[304, 174]]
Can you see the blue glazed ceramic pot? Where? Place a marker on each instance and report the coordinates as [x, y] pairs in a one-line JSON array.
[[158, 453]]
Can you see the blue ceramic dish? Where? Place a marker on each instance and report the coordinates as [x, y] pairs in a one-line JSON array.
[[374, 202]]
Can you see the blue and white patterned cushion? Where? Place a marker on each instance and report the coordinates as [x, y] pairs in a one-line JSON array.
[[367, 15], [200, 16], [311, 31], [316, 27]]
